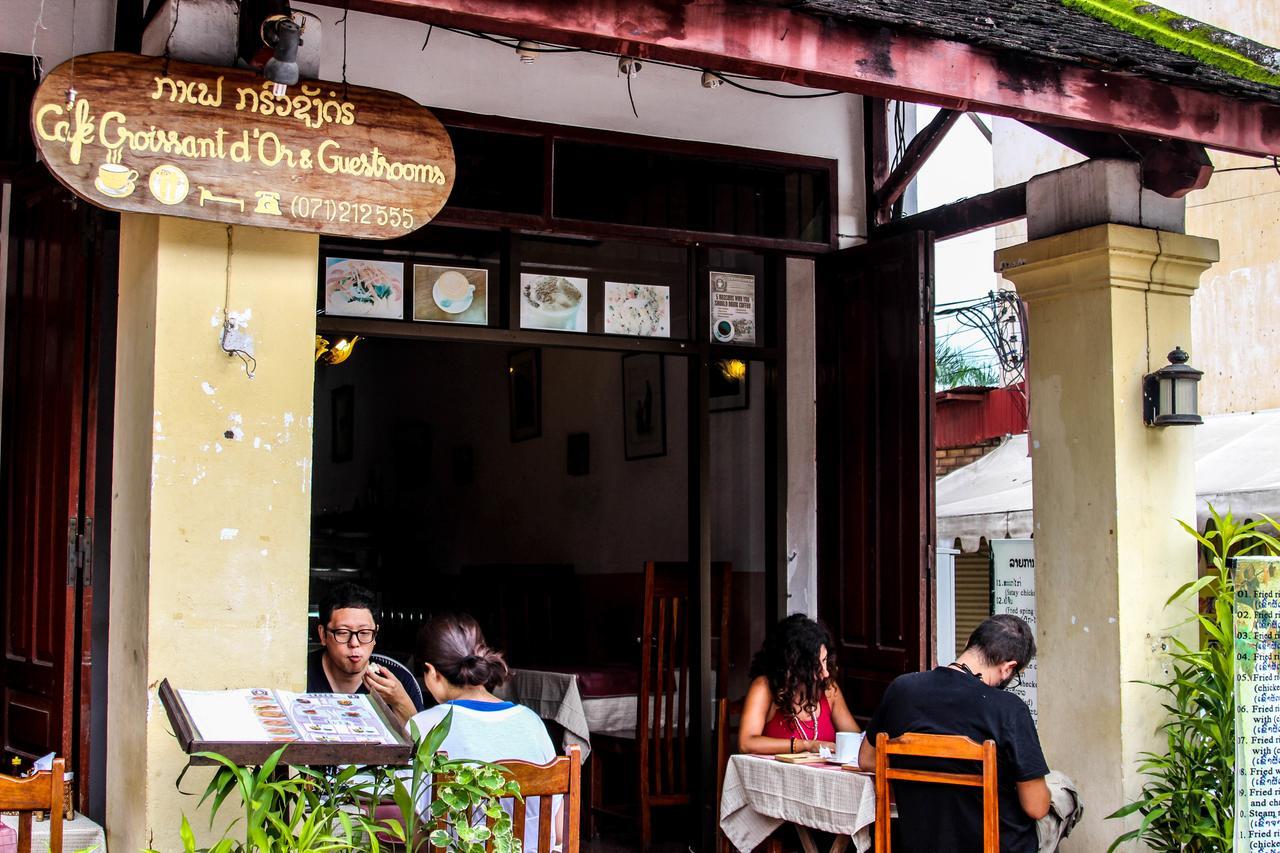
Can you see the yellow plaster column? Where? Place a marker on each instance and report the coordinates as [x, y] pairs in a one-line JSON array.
[[211, 505], [1105, 304]]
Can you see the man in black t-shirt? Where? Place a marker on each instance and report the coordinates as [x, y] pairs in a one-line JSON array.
[[343, 664], [968, 698]]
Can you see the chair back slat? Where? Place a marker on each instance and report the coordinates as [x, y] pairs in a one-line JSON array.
[[663, 700], [545, 806], [40, 792], [913, 744]]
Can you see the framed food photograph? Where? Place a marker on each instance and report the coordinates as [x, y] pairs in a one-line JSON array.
[[730, 385], [363, 287], [554, 302], [450, 295], [524, 390], [639, 310], [644, 406]]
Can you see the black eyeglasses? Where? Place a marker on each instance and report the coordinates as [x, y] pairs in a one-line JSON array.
[[343, 635], [1015, 682]]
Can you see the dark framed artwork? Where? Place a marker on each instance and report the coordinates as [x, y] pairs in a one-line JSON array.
[[524, 387], [342, 404], [730, 385], [644, 406]]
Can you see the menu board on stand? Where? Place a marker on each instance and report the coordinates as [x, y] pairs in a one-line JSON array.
[[1013, 590], [247, 726], [1257, 658]]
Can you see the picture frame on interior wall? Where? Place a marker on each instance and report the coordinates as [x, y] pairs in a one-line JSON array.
[[342, 411], [730, 386], [368, 287], [644, 406], [524, 391]]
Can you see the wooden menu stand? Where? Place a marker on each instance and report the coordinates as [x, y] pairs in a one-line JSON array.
[[298, 753]]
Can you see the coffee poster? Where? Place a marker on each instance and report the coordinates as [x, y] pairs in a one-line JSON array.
[[1257, 688], [733, 308], [450, 295], [554, 302]]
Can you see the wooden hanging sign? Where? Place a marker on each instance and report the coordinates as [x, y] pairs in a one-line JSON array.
[[147, 135]]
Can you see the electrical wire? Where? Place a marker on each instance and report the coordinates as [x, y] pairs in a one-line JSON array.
[[1273, 165]]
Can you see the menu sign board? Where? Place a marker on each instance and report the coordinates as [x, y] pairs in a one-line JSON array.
[[1257, 658], [149, 135], [1013, 590]]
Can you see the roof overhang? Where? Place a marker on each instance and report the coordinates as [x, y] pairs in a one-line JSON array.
[[772, 42]]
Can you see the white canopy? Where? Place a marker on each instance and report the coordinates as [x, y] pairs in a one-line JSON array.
[[1237, 468]]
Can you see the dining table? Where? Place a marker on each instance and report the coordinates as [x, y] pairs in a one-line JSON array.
[[761, 793], [581, 700]]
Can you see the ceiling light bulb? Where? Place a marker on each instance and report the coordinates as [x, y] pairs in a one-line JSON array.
[[711, 80], [527, 51]]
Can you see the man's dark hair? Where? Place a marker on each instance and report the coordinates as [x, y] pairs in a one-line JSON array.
[[1004, 637], [346, 595]]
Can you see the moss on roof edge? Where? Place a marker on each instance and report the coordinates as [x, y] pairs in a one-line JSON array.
[[1218, 48]]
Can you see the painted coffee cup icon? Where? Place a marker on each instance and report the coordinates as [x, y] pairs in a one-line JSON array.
[[452, 292], [723, 331], [115, 180]]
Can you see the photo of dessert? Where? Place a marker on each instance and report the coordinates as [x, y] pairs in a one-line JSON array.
[[354, 287], [553, 302], [640, 310]]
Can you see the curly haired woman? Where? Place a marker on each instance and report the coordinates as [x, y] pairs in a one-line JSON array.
[[793, 704]]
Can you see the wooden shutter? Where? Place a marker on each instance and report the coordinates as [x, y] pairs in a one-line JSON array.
[[875, 460]]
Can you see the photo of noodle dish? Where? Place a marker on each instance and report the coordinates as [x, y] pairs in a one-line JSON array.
[[354, 287], [640, 310]]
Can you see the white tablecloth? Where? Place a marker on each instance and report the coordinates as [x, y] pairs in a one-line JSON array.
[[760, 794], [78, 836], [555, 696]]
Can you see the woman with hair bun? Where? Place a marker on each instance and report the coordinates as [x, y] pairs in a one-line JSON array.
[[459, 670], [793, 703]]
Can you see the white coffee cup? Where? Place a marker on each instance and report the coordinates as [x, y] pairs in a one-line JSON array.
[[847, 746]]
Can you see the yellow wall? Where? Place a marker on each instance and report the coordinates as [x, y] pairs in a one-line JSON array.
[[1108, 491], [210, 534]]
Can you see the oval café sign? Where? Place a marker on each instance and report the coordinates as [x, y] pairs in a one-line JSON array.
[[149, 136]]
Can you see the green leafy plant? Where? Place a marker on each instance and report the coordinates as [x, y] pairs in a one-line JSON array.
[[308, 811], [953, 368], [1188, 801]]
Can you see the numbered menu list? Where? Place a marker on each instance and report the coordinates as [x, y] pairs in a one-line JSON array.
[[1257, 658]]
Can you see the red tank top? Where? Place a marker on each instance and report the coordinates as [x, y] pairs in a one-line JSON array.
[[783, 726]]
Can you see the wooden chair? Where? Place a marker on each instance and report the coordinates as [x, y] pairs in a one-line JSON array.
[[561, 777], [38, 793], [938, 746]]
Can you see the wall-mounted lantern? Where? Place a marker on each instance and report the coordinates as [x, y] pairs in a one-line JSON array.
[[1169, 396]]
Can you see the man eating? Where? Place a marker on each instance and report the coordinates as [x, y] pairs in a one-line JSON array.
[[345, 664]]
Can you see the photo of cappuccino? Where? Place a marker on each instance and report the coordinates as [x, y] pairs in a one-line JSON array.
[[115, 180], [450, 295], [553, 302]]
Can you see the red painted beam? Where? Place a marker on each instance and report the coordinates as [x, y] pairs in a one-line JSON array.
[[775, 43]]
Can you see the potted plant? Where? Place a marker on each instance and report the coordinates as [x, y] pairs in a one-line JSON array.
[[310, 811]]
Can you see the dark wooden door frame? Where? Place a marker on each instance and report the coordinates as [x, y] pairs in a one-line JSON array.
[[875, 475]]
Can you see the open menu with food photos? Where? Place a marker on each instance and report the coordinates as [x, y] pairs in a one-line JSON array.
[[257, 714]]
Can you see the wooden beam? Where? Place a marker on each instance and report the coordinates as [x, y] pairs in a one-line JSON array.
[[777, 43], [1171, 167], [922, 145], [962, 217]]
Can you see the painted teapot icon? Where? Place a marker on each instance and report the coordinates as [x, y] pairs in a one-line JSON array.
[[268, 202]]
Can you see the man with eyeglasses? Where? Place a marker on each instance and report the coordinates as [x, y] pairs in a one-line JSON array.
[[348, 634], [968, 697]]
